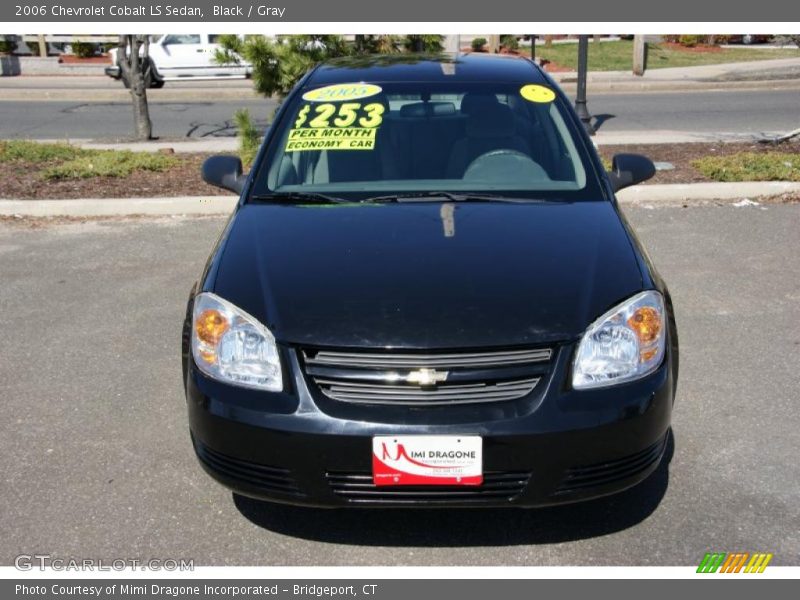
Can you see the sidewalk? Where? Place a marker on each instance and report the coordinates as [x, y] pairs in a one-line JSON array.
[[785, 73], [650, 196]]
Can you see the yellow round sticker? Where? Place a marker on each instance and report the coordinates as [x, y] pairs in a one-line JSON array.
[[537, 93], [341, 92]]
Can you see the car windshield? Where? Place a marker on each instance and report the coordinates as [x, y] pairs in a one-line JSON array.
[[360, 140]]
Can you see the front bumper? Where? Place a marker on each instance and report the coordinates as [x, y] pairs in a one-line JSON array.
[[560, 446], [113, 71]]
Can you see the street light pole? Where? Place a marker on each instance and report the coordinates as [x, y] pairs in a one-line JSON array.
[[580, 98]]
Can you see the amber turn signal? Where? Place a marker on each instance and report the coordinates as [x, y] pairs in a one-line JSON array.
[[646, 323], [210, 326]]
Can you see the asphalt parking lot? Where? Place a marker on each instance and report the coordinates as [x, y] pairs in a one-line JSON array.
[[96, 459]]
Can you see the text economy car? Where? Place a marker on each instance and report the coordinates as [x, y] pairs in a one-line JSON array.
[[427, 295]]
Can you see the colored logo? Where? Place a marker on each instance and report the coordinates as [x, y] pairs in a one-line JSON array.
[[734, 562]]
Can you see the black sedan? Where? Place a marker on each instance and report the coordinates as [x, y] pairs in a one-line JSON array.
[[428, 295]]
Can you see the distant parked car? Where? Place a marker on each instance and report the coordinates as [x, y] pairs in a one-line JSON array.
[[749, 38], [182, 56]]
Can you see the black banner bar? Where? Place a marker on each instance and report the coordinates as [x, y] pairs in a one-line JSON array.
[[255, 11]]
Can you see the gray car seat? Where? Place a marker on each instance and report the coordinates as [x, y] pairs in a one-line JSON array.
[[493, 127]]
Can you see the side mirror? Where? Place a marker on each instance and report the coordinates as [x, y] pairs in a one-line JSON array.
[[224, 171], [630, 169]]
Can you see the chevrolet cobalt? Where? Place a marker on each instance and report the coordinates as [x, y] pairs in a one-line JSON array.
[[428, 295]]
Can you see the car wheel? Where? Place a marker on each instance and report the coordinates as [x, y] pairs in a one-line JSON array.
[[151, 78]]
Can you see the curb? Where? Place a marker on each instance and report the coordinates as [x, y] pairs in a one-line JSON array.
[[109, 207], [602, 138], [699, 193], [643, 195]]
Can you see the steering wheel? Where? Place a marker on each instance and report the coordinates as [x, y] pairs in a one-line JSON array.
[[505, 165]]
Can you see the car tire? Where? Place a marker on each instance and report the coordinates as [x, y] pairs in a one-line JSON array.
[[152, 78]]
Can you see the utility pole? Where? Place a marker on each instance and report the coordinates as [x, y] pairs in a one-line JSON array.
[[494, 43], [639, 54], [580, 98], [452, 44]]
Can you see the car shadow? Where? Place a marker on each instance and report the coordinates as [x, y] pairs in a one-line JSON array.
[[465, 527]]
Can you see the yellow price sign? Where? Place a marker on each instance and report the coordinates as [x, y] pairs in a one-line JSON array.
[[342, 91], [537, 93], [340, 115], [327, 126]]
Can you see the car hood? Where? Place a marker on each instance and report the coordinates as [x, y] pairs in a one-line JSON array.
[[426, 275]]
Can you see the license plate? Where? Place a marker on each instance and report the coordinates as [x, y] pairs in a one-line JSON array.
[[427, 460]]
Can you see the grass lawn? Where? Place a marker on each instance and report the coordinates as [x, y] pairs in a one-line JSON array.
[[750, 166], [32, 170], [62, 161], [618, 56]]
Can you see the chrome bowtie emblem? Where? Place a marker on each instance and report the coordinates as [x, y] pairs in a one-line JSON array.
[[426, 376]]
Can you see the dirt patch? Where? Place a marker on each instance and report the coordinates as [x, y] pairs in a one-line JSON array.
[[552, 67], [71, 59], [682, 155], [24, 181]]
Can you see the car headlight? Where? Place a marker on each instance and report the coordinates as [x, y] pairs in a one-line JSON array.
[[232, 346], [624, 344]]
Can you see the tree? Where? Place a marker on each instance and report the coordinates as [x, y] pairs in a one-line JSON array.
[[423, 43], [133, 58], [279, 64], [379, 44]]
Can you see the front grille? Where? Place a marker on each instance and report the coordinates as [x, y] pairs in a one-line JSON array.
[[426, 379], [358, 488], [268, 479], [416, 361], [578, 479]]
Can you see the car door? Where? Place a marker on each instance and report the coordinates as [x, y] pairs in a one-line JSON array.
[[182, 55]]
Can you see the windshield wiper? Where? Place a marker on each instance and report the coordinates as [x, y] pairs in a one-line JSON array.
[[452, 197], [300, 197]]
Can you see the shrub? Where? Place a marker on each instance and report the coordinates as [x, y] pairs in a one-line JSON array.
[[478, 44], [34, 152], [109, 163], [751, 166], [509, 42], [83, 49], [690, 41], [249, 137], [7, 46]]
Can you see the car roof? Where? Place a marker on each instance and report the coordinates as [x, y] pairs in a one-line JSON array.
[[475, 67]]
